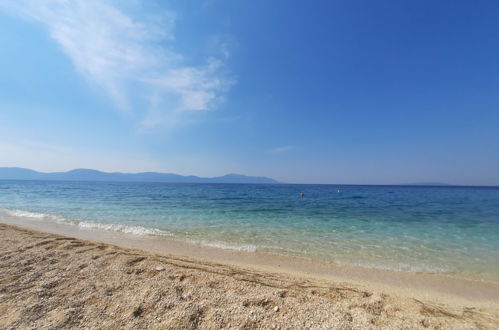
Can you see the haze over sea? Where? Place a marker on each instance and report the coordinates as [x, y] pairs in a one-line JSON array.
[[452, 230]]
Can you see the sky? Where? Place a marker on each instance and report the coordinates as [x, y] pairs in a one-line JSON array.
[[343, 91]]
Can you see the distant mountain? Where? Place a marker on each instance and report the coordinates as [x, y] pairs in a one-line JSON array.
[[426, 184], [17, 173]]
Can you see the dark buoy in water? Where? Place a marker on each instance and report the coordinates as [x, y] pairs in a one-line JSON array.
[[302, 195]]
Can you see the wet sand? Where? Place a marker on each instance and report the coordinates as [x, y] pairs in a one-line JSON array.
[[49, 280]]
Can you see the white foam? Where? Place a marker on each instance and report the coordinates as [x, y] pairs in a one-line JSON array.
[[401, 267], [129, 229], [37, 215], [225, 246], [21, 213]]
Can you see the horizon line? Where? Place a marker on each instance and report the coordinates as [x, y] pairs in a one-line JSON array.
[[278, 182]]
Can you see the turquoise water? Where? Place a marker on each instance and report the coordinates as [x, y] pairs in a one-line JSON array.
[[452, 230]]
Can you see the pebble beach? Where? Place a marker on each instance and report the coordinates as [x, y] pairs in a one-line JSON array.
[[54, 281]]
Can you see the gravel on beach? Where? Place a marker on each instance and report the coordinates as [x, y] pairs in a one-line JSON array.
[[50, 281]]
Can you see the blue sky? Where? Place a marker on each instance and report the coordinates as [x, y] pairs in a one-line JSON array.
[[364, 92]]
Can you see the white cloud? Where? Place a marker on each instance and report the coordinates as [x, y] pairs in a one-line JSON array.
[[197, 87], [130, 56], [282, 149]]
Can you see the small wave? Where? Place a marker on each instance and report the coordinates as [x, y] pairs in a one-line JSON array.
[[356, 197], [225, 246], [37, 215], [129, 229], [226, 198], [267, 210], [401, 267], [21, 213]]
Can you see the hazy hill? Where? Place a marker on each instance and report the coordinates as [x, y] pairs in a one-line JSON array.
[[17, 173], [426, 184]]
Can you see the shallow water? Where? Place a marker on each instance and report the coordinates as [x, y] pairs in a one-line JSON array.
[[452, 230]]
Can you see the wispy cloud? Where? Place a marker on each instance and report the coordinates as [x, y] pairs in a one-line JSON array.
[[282, 149], [130, 56]]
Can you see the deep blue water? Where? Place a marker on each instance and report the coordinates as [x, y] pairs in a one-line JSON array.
[[451, 230]]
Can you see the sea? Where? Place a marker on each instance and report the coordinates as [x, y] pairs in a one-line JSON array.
[[430, 229]]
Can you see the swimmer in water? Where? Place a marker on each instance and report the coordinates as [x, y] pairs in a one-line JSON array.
[[302, 195]]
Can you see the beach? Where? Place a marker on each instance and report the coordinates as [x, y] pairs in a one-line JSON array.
[[57, 281], [249, 165]]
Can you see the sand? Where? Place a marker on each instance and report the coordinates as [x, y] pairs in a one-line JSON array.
[[54, 281]]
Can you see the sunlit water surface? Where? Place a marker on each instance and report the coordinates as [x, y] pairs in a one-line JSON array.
[[452, 230]]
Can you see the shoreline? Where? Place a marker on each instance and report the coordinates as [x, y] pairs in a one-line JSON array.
[[50, 280], [61, 224], [440, 288]]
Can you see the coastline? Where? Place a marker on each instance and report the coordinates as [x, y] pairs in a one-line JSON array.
[[427, 286], [460, 302]]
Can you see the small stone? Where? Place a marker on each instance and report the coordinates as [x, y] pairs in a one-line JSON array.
[[160, 268], [282, 294], [276, 308], [138, 312]]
